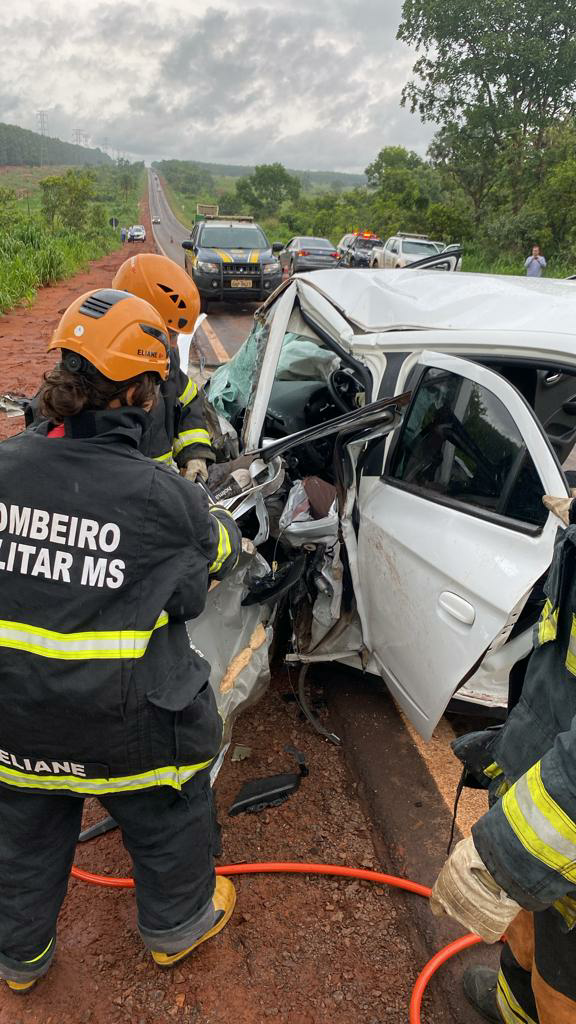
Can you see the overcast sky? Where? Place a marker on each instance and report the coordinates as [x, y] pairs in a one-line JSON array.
[[312, 83]]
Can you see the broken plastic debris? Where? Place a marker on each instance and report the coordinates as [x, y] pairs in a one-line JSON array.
[[241, 753]]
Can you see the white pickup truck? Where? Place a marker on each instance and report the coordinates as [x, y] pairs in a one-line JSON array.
[[403, 249]]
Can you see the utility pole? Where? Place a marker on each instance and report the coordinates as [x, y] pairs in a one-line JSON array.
[[42, 122]]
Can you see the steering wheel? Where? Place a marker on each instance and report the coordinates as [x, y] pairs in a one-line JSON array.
[[343, 389]]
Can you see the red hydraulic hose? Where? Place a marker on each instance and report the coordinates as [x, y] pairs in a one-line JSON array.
[[297, 868]]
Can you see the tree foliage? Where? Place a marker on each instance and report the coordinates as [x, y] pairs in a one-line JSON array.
[[264, 191], [510, 63]]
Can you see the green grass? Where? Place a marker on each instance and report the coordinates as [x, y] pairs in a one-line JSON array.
[[32, 255]]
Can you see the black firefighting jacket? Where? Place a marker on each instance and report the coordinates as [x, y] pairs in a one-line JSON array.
[[175, 429], [528, 838], [104, 555], [177, 425]]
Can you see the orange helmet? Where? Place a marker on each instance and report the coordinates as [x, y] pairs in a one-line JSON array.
[[163, 284], [119, 334]]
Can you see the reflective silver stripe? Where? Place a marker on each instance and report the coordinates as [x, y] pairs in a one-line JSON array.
[[187, 437], [100, 644], [170, 775], [535, 830], [189, 393]]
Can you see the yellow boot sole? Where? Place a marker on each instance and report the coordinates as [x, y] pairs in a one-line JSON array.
[[224, 899], [21, 986]]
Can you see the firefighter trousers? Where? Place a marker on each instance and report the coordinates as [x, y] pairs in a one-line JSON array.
[[169, 836], [537, 979]]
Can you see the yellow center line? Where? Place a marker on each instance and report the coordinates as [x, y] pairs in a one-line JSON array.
[[215, 343]]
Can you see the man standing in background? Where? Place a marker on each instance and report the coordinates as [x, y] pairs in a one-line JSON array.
[[535, 263]]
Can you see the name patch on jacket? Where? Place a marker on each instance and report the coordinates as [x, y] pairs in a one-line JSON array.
[[43, 766], [50, 560]]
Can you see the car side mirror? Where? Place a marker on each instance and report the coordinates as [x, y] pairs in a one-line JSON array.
[[277, 247], [188, 244]]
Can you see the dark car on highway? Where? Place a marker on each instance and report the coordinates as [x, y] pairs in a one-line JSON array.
[[308, 253], [230, 259], [356, 248]]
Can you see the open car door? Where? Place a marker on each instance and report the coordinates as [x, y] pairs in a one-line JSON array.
[[452, 533], [449, 259]]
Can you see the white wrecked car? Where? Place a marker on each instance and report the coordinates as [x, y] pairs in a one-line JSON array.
[[410, 535]]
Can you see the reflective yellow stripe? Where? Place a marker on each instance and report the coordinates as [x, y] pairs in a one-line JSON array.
[[254, 256], [224, 549], [40, 955], [170, 775], [20, 636], [509, 1007], [493, 770], [541, 825], [571, 652], [224, 256], [189, 393], [167, 457], [187, 437], [548, 624]]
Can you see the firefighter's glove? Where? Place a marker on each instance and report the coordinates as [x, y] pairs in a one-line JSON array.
[[466, 891], [194, 468], [248, 547], [564, 508]]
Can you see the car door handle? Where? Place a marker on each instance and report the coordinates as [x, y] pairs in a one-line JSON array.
[[457, 607]]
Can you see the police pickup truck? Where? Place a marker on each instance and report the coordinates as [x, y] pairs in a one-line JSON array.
[[230, 258]]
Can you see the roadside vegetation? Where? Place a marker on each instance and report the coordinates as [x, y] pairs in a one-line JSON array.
[[499, 83], [21, 147], [59, 221]]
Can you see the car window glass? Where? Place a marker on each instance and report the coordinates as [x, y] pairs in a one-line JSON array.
[[226, 237], [460, 443], [394, 246]]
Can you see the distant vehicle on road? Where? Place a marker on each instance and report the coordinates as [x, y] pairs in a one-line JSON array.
[[230, 259], [356, 248], [403, 249], [308, 253], [137, 233], [155, 220]]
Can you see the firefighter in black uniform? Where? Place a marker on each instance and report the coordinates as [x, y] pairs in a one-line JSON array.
[[177, 434], [104, 555]]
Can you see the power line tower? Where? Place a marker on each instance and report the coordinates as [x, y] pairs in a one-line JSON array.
[[85, 138], [42, 122], [77, 136]]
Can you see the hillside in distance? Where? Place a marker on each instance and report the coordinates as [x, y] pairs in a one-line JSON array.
[[309, 179], [20, 147]]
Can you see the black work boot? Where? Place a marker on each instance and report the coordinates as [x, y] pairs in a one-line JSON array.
[[480, 989]]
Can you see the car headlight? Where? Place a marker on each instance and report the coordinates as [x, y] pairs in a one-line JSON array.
[[271, 268], [207, 267]]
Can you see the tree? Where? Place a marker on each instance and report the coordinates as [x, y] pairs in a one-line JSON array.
[[264, 191], [390, 161], [513, 60], [468, 155]]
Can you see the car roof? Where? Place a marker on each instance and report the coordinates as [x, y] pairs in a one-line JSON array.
[[396, 300], [230, 224]]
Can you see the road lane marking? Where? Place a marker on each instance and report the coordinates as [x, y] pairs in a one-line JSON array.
[[215, 343]]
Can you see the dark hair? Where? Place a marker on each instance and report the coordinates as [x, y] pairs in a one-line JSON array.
[[65, 393]]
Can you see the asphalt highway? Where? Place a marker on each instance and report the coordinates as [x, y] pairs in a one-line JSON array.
[[228, 324]]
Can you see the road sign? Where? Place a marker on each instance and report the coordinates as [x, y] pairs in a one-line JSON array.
[[113, 222]]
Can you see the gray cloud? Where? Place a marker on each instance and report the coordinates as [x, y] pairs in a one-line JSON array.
[[314, 86]]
